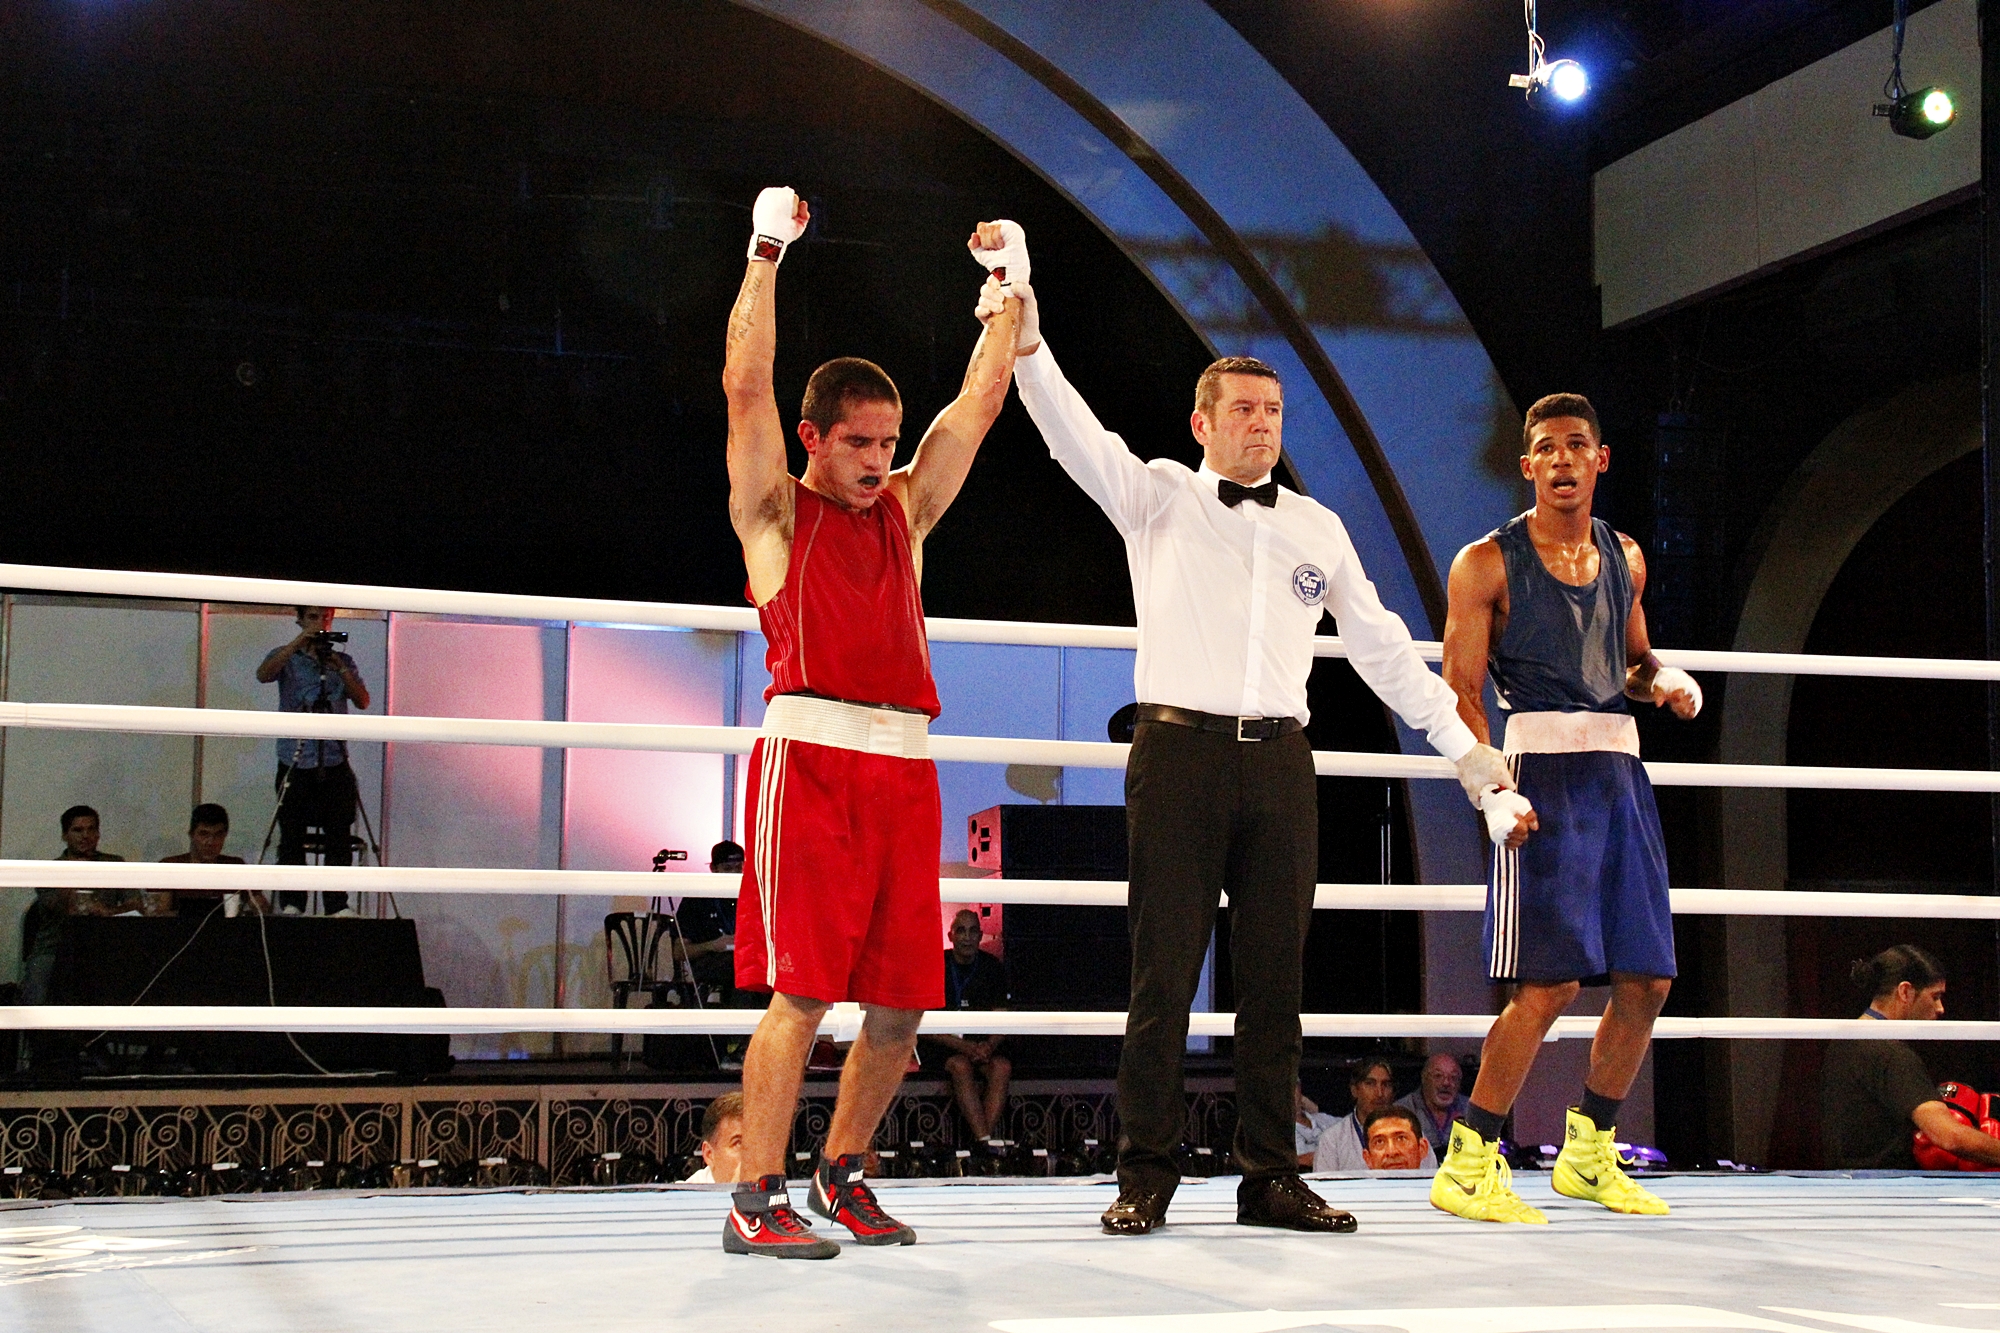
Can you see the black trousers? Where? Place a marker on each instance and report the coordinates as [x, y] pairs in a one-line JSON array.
[[321, 798], [1207, 813]]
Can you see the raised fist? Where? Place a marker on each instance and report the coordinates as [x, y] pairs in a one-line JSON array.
[[777, 219], [1003, 248]]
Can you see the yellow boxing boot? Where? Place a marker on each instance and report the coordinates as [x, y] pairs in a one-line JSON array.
[[1588, 1169], [1474, 1183]]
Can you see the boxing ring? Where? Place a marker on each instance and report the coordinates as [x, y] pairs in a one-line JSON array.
[[1772, 1252]]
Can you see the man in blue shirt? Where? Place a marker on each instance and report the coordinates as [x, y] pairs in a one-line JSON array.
[[315, 785]]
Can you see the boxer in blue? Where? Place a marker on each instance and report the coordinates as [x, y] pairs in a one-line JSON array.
[[1577, 893]]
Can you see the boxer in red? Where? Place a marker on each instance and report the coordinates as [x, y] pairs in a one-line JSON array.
[[840, 895]]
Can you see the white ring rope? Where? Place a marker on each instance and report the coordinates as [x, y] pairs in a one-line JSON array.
[[684, 615], [958, 749], [843, 1022], [1044, 892]]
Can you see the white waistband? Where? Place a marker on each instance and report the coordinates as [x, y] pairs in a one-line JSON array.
[[846, 726], [1569, 733]]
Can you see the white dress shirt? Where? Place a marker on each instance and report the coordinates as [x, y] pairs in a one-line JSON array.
[[1229, 599]]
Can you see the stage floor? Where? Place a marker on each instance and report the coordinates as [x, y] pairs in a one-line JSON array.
[[1792, 1253]]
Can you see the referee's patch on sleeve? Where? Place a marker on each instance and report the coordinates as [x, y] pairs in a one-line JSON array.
[[1309, 582]]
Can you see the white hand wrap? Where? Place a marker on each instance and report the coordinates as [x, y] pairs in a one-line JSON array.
[[774, 223], [1481, 767], [993, 299], [1503, 811], [1010, 262], [1669, 679]]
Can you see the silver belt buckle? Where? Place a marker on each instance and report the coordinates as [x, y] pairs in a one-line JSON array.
[[1239, 728]]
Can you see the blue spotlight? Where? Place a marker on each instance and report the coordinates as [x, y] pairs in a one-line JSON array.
[[1566, 79]]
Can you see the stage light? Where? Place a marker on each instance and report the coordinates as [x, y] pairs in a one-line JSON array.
[[1916, 115], [1567, 80], [1920, 114], [1564, 79]]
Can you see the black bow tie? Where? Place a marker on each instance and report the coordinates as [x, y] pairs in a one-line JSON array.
[[1232, 495]]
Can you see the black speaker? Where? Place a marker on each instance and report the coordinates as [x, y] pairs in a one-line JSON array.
[[1059, 957], [1048, 841]]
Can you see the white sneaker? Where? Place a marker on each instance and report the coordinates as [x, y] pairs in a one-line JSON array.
[[289, 910], [346, 911]]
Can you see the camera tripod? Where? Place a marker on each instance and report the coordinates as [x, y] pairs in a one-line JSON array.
[[322, 703]]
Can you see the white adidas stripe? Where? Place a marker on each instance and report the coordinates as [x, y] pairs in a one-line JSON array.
[[1505, 958], [770, 814]]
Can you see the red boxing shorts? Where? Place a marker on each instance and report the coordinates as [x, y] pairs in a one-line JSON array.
[[840, 893]]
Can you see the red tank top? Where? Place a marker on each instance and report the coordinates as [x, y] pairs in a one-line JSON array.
[[849, 622]]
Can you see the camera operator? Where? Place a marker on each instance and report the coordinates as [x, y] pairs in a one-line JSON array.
[[315, 785]]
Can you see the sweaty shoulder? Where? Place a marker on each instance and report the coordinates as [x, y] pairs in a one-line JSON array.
[[1482, 558], [1635, 555]]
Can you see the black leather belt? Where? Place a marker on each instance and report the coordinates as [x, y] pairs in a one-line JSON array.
[[1242, 728]]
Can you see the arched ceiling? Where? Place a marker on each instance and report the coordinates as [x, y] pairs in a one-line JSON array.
[[1189, 91]]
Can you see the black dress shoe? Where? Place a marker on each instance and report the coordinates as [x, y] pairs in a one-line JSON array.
[[1137, 1212], [1285, 1201]]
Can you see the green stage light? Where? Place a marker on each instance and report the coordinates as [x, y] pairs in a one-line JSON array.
[[1920, 114]]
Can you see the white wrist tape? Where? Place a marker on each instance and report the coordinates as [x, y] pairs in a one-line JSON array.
[[774, 223], [1503, 811], [1670, 679], [1010, 262]]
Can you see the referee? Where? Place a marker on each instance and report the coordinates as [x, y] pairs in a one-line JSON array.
[[1230, 575]]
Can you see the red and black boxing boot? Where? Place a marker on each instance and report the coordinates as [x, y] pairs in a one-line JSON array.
[[839, 1195], [762, 1221]]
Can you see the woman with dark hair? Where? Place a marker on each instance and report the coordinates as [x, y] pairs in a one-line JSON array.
[[1877, 1092]]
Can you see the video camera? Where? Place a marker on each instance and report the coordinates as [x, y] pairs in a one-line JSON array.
[[326, 638]]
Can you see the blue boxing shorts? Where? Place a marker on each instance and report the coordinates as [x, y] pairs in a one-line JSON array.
[[1586, 895]]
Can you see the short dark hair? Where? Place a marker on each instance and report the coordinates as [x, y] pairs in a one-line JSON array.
[[841, 383], [1892, 967], [1402, 1113], [729, 1106], [1209, 387], [1560, 405], [208, 815], [76, 812], [725, 851], [1362, 1070]]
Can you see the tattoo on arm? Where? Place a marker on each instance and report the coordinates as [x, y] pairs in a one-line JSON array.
[[743, 318]]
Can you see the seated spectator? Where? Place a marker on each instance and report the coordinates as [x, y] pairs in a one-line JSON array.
[[42, 929], [1308, 1123], [1437, 1100], [1875, 1094], [208, 832], [707, 926], [975, 979], [1396, 1142], [1343, 1146], [721, 1141]]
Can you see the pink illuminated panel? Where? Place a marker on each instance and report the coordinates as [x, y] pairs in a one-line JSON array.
[[626, 805], [475, 805]]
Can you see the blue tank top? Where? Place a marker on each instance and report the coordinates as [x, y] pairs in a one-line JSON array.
[[1563, 650]]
